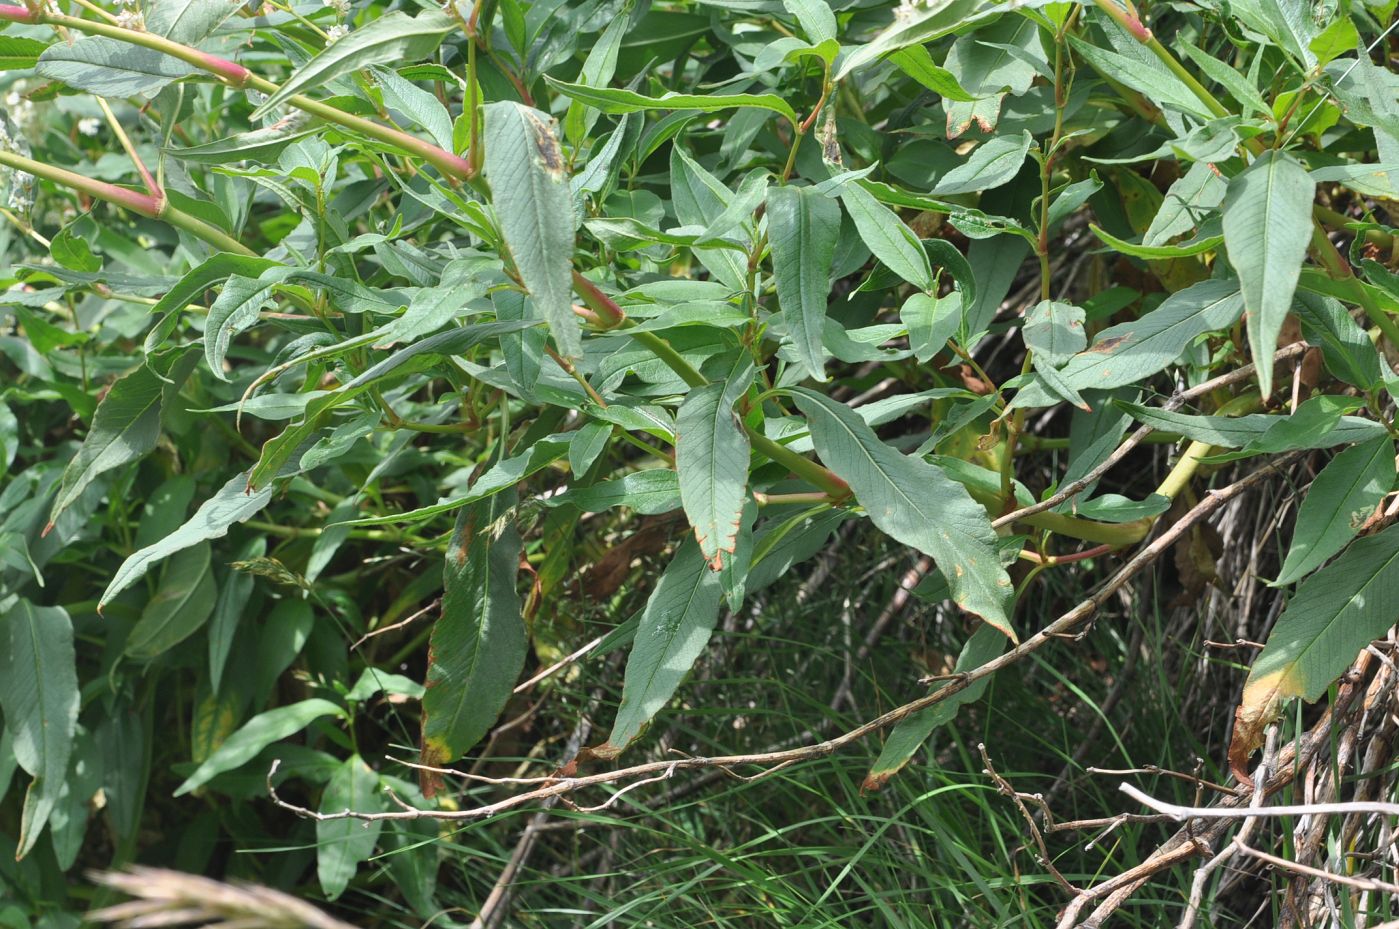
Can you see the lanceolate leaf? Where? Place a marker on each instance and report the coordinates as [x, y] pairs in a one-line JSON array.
[[255, 735], [1054, 331], [39, 697], [886, 235], [612, 100], [110, 67], [478, 643], [341, 844], [917, 504], [387, 39], [529, 187], [1340, 500], [674, 629], [992, 164], [803, 227], [1335, 614], [127, 423], [1240, 431], [1267, 225], [180, 606], [711, 457], [912, 731]]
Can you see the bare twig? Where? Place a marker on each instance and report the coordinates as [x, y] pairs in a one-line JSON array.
[[1016, 797]]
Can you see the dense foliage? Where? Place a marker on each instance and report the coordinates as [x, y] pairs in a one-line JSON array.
[[397, 398]]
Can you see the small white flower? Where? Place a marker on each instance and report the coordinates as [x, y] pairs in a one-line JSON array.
[[341, 7], [336, 32], [89, 125], [131, 19]]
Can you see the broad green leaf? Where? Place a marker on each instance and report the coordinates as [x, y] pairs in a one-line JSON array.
[[931, 321], [1240, 431], [675, 627], [1128, 352], [614, 100], [478, 643], [1347, 350], [255, 735], [390, 38], [803, 227], [126, 425], [234, 310], [993, 163], [1145, 75], [186, 21], [887, 237], [649, 492], [1239, 86], [1334, 615], [815, 17], [418, 105], [1187, 203], [110, 67], [909, 734], [1267, 226], [1054, 331], [699, 199], [920, 25], [256, 145], [217, 267], [215, 516], [917, 504], [180, 606], [342, 844], [39, 697], [711, 459], [234, 593], [1340, 500], [529, 187]]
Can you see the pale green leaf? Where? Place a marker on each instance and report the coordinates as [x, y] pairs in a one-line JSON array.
[[342, 844], [993, 163], [255, 735], [181, 604], [887, 237], [803, 227], [614, 100], [711, 459]]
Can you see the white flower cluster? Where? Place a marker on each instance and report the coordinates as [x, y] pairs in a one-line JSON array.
[[129, 15], [336, 32], [89, 125], [341, 7], [17, 186]]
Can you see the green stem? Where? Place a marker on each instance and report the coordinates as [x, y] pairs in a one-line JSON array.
[[146, 205]]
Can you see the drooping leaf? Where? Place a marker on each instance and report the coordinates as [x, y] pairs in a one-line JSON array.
[[255, 735], [39, 697], [1241, 431], [1054, 331], [478, 644], [711, 459], [1340, 500], [342, 844], [390, 38], [803, 227], [674, 629], [1267, 226], [529, 186], [1335, 614], [917, 504], [909, 734], [181, 605], [126, 425]]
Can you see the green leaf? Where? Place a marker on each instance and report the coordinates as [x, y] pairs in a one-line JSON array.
[[180, 606], [993, 163], [232, 504], [126, 425], [39, 697], [1054, 331], [803, 227], [186, 21], [700, 199], [1267, 226], [1347, 350], [909, 734], [931, 321], [1196, 246], [478, 643], [649, 492], [598, 69], [1335, 614], [529, 187], [1340, 500], [613, 100], [110, 68], [1145, 75], [19, 54], [1240, 431], [919, 65], [1239, 87], [675, 627], [255, 735], [917, 504], [923, 24], [342, 844], [391, 38], [1189, 200], [887, 237], [711, 459]]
